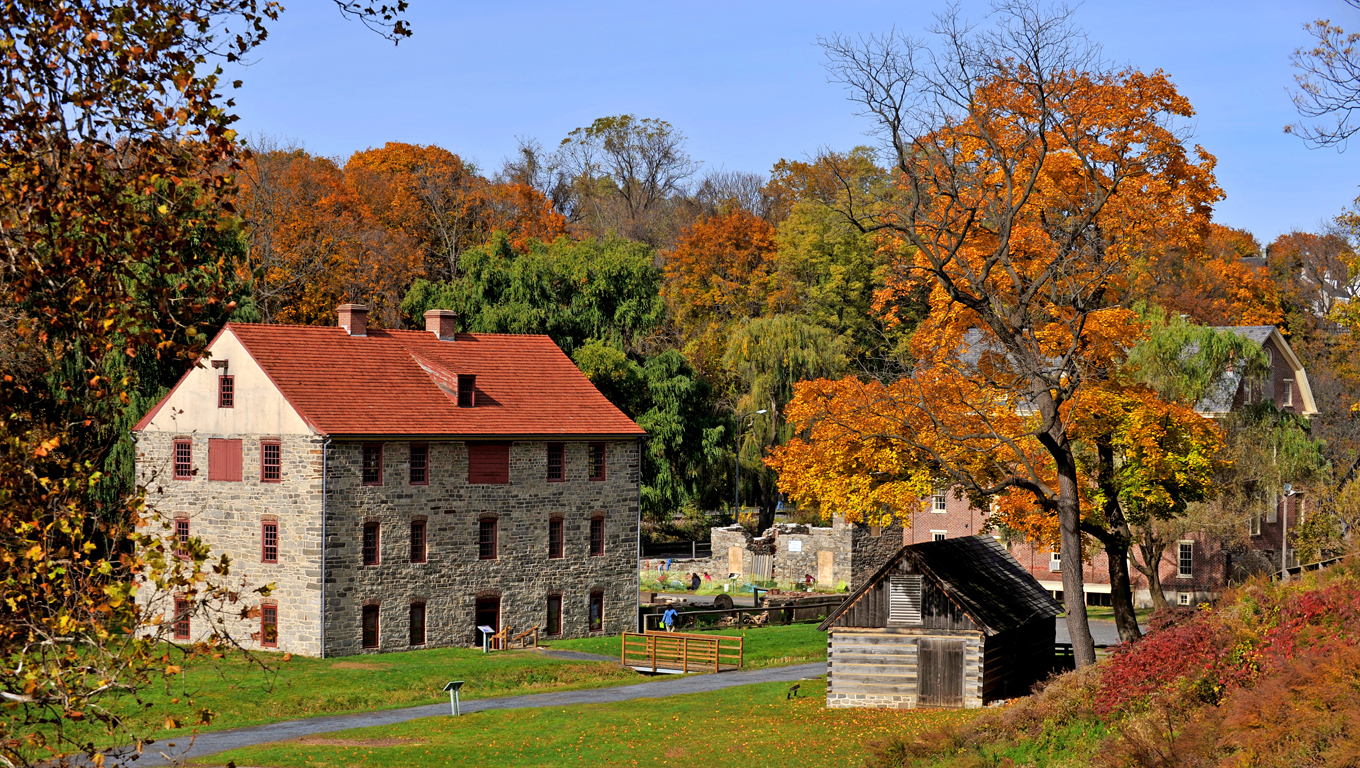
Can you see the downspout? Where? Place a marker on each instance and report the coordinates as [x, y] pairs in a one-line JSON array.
[[325, 474], [642, 623]]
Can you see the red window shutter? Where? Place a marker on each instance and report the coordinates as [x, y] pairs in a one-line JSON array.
[[489, 463], [224, 460]]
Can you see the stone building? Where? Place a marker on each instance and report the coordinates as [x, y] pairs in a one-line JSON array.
[[400, 488]]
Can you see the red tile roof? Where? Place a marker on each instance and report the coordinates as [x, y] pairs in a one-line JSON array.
[[388, 383]]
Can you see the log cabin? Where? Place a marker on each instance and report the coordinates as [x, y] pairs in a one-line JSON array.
[[953, 623]]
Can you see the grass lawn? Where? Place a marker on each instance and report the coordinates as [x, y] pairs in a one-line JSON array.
[[748, 726], [775, 646], [240, 694], [1102, 613]]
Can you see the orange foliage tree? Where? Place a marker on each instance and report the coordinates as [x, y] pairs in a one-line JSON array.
[[1218, 278], [320, 235], [715, 276], [1028, 185]]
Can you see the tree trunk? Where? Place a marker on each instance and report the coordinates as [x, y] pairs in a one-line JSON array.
[[1117, 539], [1151, 549], [1121, 586], [1074, 587]]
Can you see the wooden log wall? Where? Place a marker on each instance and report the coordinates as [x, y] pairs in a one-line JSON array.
[[879, 668], [1014, 661]]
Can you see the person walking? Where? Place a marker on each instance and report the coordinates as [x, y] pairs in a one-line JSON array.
[[668, 619]]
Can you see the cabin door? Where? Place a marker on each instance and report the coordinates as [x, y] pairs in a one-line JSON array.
[[939, 672]]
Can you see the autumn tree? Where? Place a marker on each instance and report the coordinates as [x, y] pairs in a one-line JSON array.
[[1028, 179], [623, 172], [1218, 278], [117, 157], [715, 276]]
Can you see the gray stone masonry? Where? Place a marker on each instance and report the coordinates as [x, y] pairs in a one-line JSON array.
[[453, 576], [228, 517]]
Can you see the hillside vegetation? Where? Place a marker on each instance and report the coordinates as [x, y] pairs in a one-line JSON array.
[[1267, 676]]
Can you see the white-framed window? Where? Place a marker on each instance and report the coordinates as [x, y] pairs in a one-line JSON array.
[[1273, 514], [937, 502], [1255, 525], [1055, 560], [1185, 561], [1287, 396], [938, 535], [1184, 598]]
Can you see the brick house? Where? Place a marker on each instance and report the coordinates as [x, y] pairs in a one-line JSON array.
[[400, 488], [1199, 565]]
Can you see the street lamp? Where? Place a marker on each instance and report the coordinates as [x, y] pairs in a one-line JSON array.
[[1284, 532], [736, 487]]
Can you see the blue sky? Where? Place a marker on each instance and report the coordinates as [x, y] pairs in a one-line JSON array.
[[744, 81]]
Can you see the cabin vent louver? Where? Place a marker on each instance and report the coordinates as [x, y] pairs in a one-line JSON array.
[[904, 601]]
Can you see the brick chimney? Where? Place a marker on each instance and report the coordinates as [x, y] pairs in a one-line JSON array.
[[442, 323], [354, 318]]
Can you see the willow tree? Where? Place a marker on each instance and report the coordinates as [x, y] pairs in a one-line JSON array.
[[1029, 177]]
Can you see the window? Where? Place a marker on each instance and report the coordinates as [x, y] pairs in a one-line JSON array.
[[182, 538], [370, 626], [420, 464], [938, 535], [269, 626], [271, 462], [1055, 561], [1255, 525], [555, 538], [596, 611], [1185, 563], [184, 459], [596, 455], [1287, 396], [554, 623], [269, 541], [417, 541], [556, 468], [904, 600], [372, 465], [417, 623], [486, 539], [181, 619], [467, 391], [371, 544], [489, 463], [1273, 514], [597, 537], [938, 502], [224, 460], [226, 391], [1183, 598]]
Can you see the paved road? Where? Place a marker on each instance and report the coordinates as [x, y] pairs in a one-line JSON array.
[[221, 741], [738, 600], [1103, 632]]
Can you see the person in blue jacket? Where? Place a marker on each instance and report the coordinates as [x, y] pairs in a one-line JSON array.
[[668, 619]]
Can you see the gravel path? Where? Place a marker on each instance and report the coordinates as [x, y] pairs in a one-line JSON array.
[[174, 752]]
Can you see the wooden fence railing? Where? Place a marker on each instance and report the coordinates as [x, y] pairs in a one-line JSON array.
[[681, 652]]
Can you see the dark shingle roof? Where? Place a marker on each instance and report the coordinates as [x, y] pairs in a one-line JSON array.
[[979, 575]]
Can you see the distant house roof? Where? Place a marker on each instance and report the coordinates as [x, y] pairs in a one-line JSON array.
[[393, 383], [978, 574], [1220, 400]]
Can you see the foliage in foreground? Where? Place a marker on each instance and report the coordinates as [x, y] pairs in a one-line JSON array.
[[1268, 676]]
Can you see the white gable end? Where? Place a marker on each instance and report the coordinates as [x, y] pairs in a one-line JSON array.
[[259, 408]]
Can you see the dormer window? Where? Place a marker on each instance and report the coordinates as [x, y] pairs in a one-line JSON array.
[[467, 391], [226, 391]]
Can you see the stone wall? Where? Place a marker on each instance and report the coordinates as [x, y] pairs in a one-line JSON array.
[[870, 548], [453, 576], [227, 516]]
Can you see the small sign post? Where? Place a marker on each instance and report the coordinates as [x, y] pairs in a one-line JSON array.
[[452, 688], [487, 632]]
